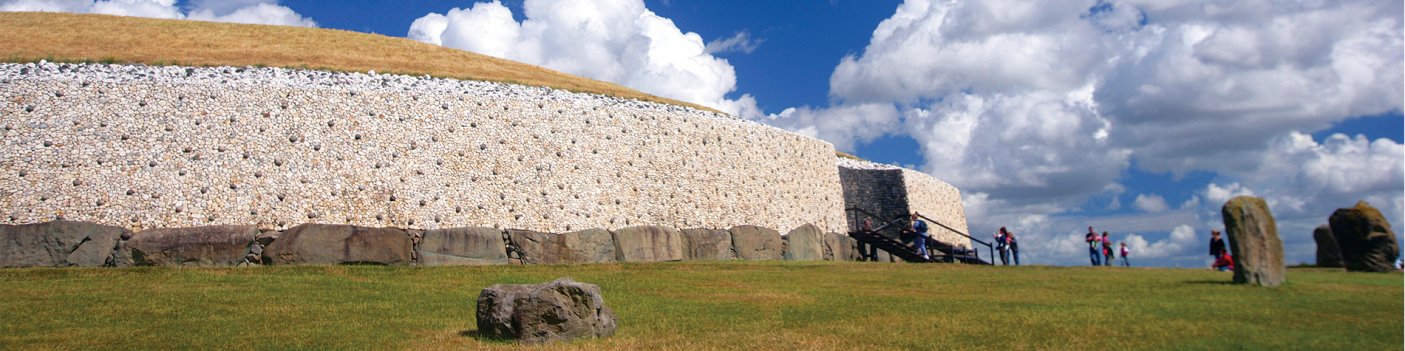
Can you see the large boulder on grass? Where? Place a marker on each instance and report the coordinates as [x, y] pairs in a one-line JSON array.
[[648, 244], [586, 246], [1328, 253], [462, 247], [557, 311], [756, 243], [1253, 240], [708, 244], [1366, 240], [59, 244], [804, 243], [221, 245], [316, 244]]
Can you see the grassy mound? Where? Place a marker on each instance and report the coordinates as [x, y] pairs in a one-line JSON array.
[[111, 39], [704, 305]]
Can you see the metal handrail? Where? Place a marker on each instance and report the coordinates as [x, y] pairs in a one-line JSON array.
[[900, 218], [958, 232]]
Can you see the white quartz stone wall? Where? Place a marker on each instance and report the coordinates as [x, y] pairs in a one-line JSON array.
[[939, 201], [150, 147]]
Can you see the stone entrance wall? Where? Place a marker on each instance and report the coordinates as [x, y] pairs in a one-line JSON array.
[[891, 192], [163, 147]]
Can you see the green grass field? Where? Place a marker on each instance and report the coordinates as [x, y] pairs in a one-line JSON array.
[[705, 305]]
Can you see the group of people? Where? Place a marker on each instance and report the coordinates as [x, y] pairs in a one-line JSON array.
[[1100, 250], [1007, 245]]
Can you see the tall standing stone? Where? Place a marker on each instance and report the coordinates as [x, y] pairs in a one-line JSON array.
[[1328, 253], [1253, 240], [1367, 243]]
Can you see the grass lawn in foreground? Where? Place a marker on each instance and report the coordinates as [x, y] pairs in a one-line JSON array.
[[705, 305]]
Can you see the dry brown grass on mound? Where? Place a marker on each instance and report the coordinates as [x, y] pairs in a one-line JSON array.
[[99, 38]]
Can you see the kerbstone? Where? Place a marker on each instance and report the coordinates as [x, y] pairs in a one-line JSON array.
[[585, 246], [840, 247], [58, 243], [756, 243], [463, 247], [1253, 239], [804, 243], [316, 244], [708, 244], [648, 244], [1366, 240], [224, 245]]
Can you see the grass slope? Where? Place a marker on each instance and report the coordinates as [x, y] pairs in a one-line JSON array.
[[99, 38], [704, 305]]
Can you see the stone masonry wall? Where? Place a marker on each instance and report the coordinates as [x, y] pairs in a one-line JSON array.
[[940, 202], [890, 191], [154, 147], [877, 191]]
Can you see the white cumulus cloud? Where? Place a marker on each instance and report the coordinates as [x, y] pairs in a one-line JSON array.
[[615, 41], [236, 11], [1150, 203], [1039, 106]]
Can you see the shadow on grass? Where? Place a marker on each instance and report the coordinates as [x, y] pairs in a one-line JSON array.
[[477, 335]]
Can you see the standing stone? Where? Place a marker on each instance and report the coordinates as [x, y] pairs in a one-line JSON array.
[[1253, 240], [1328, 254], [586, 246], [462, 247], [708, 244], [648, 244], [1366, 240], [756, 243], [557, 311], [58, 244], [221, 245], [804, 243], [339, 244]]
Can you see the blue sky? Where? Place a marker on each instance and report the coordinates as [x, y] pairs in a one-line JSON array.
[[1139, 117]]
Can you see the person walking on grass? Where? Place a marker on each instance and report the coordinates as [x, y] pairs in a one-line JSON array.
[[1002, 245], [1093, 249], [920, 229], [1013, 245], [1217, 250], [1125, 250], [1107, 250]]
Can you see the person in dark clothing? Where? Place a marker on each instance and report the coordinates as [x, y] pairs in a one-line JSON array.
[[1217, 248], [1093, 243], [1002, 245]]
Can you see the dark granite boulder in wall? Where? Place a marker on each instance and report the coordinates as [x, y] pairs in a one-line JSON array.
[[648, 244], [756, 243], [586, 246], [1253, 240], [708, 244], [58, 244], [463, 246], [222, 245], [340, 244]]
